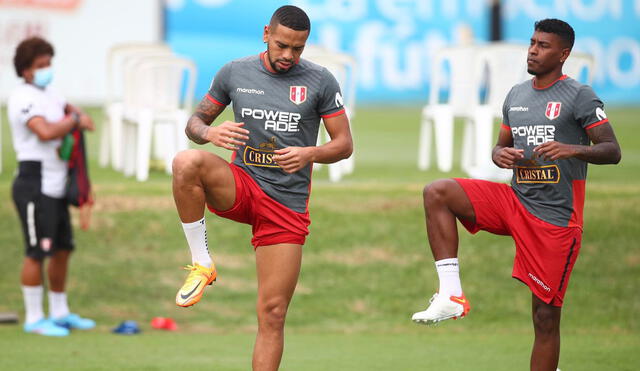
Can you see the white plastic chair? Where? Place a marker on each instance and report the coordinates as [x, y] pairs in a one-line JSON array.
[[111, 131], [156, 108], [343, 68], [497, 68], [439, 117]]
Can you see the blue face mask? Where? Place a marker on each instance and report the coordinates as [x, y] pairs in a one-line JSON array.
[[43, 77]]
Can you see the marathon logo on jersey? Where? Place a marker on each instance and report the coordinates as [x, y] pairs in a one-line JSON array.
[[553, 110], [534, 134], [298, 94], [250, 91], [274, 120], [538, 174], [518, 109], [263, 156]]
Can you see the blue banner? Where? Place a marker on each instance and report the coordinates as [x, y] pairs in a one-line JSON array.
[[393, 41], [607, 29]]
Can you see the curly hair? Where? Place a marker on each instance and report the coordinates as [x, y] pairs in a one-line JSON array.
[[28, 50]]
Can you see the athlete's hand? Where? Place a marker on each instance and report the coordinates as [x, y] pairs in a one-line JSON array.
[[86, 122], [506, 157], [292, 159], [554, 151], [228, 135]]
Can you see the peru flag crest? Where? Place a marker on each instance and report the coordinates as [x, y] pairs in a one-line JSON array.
[[553, 110], [297, 94]]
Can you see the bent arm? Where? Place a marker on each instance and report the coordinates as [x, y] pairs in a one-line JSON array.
[[605, 148], [200, 122], [49, 131], [341, 144]]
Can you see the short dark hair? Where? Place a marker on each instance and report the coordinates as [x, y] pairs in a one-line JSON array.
[[28, 50], [558, 27], [291, 16]]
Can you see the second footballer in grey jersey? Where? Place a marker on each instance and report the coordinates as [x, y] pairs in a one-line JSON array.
[[552, 190], [279, 110], [549, 124]]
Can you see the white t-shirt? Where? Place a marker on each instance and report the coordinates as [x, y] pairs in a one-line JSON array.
[[28, 101]]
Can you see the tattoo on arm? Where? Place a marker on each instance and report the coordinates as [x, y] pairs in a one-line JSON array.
[[605, 148], [199, 123]]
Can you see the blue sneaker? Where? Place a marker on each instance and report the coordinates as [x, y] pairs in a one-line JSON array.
[[45, 327], [74, 321]]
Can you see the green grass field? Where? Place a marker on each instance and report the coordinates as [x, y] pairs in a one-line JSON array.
[[366, 269]]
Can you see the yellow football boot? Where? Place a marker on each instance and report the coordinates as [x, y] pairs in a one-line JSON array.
[[199, 277]]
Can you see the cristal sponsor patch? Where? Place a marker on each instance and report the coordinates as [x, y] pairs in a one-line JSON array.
[[262, 156], [538, 174]]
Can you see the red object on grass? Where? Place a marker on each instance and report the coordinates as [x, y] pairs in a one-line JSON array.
[[164, 323]]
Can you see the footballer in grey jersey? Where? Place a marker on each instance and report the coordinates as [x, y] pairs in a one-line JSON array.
[[552, 190], [552, 127], [279, 110], [278, 100]]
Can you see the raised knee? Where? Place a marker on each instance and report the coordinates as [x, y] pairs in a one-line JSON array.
[[435, 192], [272, 313], [186, 162]]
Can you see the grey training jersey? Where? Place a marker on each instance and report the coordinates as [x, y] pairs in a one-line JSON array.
[[279, 110], [551, 190]]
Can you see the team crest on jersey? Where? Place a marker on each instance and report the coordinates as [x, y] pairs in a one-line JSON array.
[[298, 94], [553, 110]]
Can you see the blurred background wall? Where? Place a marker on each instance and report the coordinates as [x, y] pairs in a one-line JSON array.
[[81, 31], [392, 40]]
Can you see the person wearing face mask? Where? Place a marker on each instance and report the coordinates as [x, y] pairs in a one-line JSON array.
[[40, 119]]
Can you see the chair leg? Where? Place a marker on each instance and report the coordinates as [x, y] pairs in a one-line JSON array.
[[443, 122], [115, 114], [143, 144], [424, 145], [468, 143], [103, 159], [129, 136]]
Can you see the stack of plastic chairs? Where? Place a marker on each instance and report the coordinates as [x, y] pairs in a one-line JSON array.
[[497, 68], [150, 92], [157, 106], [438, 117], [343, 68], [118, 58]]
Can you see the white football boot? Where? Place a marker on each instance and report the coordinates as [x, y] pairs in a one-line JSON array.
[[442, 308]]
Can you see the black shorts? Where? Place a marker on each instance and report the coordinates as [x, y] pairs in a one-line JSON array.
[[46, 223]]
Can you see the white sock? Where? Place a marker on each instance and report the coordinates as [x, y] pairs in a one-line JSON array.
[[33, 303], [58, 306], [449, 275], [196, 234]]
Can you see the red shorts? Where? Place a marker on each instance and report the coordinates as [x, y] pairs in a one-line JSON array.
[[545, 253], [272, 222]]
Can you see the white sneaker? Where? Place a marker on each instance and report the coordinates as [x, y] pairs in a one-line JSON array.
[[442, 308]]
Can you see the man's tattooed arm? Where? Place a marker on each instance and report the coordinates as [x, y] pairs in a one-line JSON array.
[[199, 123]]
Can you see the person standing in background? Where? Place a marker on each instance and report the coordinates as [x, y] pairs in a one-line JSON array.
[[40, 120]]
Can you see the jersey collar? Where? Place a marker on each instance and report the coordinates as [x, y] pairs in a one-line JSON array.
[[533, 83]]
